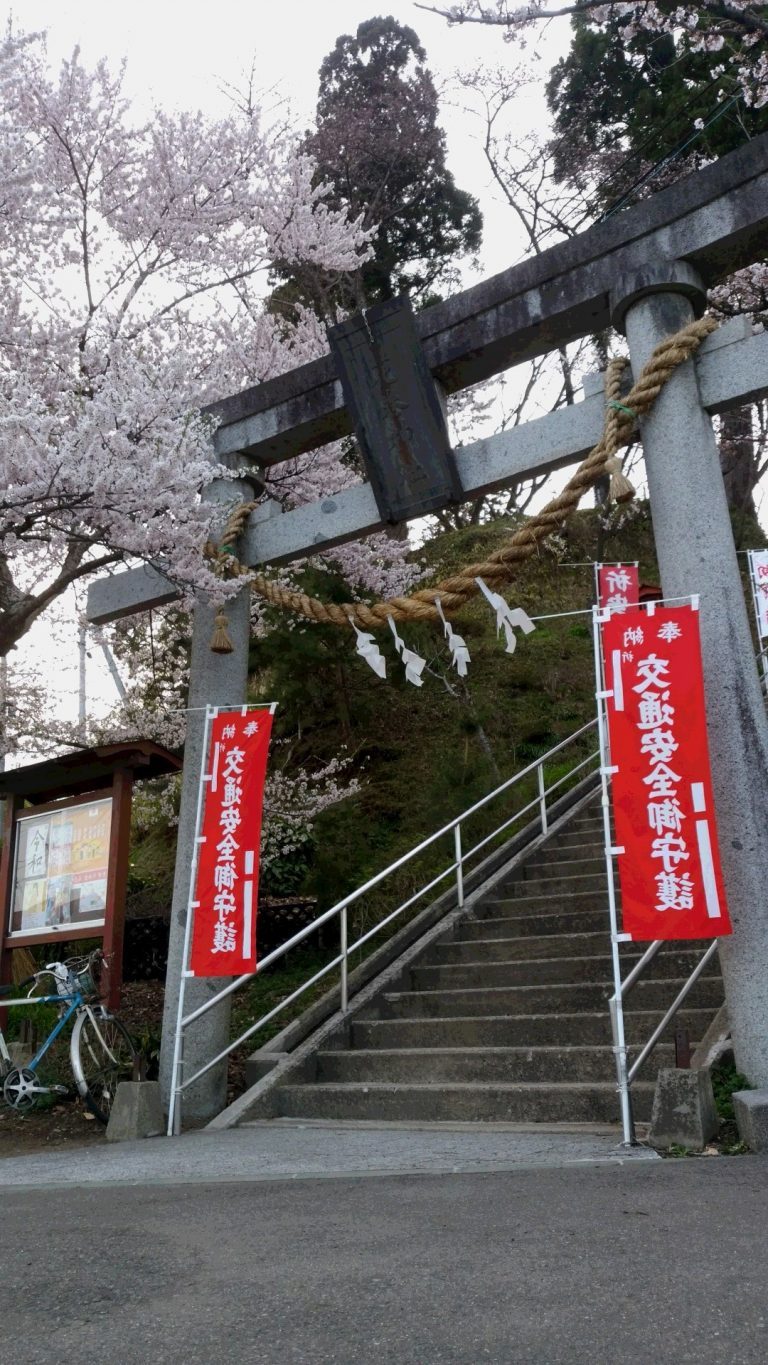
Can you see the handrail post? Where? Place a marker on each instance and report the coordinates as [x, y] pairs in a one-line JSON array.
[[343, 937], [542, 797], [459, 865]]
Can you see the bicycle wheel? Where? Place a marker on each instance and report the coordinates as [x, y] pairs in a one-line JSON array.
[[103, 1054]]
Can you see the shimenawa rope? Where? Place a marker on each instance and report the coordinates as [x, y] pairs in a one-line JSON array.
[[499, 567]]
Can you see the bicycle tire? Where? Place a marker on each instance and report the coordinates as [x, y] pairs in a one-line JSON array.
[[101, 1057]]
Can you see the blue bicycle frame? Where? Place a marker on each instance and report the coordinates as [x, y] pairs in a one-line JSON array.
[[75, 999]]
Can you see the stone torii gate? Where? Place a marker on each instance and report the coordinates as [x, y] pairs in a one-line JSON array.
[[644, 271]]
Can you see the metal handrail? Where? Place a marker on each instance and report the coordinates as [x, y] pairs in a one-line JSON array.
[[456, 867]]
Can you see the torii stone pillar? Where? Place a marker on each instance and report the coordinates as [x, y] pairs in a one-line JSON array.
[[215, 680], [696, 554]]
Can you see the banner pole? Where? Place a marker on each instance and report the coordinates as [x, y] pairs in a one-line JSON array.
[[174, 1106], [617, 1005]]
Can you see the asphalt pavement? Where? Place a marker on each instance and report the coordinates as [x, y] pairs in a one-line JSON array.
[[611, 1261]]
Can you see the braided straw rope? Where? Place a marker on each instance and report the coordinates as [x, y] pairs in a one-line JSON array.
[[500, 566]]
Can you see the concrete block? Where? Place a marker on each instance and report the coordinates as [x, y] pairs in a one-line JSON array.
[[684, 1113], [136, 1112], [751, 1110]]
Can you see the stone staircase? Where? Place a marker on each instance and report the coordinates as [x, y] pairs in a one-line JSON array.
[[508, 1019]]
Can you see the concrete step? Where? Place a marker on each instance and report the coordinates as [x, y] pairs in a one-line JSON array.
[[526, 947], [550, 868], [545, 1103], [707, 993], [523, 1030], [572, 844], [591, 882], [517, 948], [501, 906], [550, 923], [479, 1065], [537, 971]]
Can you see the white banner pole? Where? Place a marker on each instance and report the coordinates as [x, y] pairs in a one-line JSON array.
[[174, 1106], [617, 1005]]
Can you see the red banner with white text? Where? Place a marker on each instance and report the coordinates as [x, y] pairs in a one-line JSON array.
[[618, 586], [227, 882], [669, 870]]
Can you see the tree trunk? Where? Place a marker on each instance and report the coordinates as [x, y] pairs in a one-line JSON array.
[[737, 460]]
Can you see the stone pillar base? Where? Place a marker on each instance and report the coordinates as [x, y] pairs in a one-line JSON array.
[[751, 1110]]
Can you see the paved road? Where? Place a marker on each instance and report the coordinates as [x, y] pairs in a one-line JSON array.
[[663, 1262]]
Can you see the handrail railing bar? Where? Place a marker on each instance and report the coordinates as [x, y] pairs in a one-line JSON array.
[[639, 967], [289, 999], [566, 776], [380, 876], [380, 924], [500, 830], [530, 806], [264, 962], [671, 1012]]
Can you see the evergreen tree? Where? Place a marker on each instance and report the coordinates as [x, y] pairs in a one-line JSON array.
[[621, 105], [379, 146]]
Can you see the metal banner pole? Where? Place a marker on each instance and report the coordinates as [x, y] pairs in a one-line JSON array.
[[174, 1105], [617, 1008]]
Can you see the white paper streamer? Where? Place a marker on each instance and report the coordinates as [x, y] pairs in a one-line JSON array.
[[414, 666], [368, 649], [506, 617], [459, 652]]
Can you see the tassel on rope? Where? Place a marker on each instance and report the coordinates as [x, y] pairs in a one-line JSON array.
[[220, 641], [620, 489]]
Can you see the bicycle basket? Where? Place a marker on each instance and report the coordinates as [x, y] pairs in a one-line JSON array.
[[87, 975]]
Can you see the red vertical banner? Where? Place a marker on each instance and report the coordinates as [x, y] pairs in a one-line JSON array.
[[618, 586], [669, 863], [227, 882]]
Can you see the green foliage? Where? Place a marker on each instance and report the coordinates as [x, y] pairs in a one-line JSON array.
[[725, 1081]]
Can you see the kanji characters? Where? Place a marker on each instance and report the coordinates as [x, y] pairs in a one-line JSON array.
[[674, 892], [649, 672]]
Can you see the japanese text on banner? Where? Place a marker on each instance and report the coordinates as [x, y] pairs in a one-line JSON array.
[[669, 870], [618, 586], [227, 882]]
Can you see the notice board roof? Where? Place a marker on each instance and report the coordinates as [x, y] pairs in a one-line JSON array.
[[86, 770]]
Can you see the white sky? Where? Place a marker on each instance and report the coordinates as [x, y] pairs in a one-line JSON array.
[[182, 54]]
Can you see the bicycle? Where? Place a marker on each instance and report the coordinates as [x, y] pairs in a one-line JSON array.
[[101, 1051]]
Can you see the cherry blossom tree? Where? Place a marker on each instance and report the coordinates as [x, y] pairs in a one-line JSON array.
[[133, 262], [736, 29]]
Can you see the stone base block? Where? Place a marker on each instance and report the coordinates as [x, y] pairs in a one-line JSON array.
[[136, 1112], [751, 1110], [684, 1113]]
